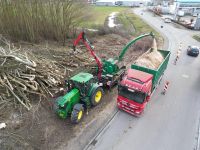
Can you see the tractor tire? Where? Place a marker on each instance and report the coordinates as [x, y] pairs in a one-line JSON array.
[[77, 113], [96, 96]]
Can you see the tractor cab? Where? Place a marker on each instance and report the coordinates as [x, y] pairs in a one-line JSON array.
[[82, 82]]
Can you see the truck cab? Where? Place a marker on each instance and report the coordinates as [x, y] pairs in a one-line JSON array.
[[134, 91]]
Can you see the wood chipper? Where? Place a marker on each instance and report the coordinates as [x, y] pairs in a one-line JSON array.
[[108, 71]]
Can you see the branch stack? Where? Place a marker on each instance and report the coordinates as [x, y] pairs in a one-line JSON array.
[[22, 75]]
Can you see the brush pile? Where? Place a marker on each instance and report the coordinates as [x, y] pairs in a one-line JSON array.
[[23, 75]]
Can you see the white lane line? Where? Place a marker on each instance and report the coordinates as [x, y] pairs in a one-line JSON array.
[[185, 76], [198, 138]]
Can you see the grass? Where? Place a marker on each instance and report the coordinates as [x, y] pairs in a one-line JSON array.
[[99, 14], [136, 26], [196, 37], [132, 24], [132, 20]]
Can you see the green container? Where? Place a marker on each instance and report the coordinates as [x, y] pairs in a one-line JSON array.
[[157, 74]]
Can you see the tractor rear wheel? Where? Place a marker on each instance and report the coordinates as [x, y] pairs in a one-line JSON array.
[[96, 96], [77, 113]]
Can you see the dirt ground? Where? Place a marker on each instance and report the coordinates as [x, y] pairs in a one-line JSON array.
[[40, 128]]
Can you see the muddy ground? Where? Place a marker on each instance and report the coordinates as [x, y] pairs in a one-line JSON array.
[[40, 128]]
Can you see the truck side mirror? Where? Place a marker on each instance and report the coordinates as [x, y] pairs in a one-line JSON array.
[[147, 97]]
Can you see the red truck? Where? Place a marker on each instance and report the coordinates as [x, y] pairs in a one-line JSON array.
[[138, 85]]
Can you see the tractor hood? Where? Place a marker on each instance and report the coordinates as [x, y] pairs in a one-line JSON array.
[[68, 97]]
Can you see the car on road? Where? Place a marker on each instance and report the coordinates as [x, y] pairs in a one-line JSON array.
[[193, 50], [167, 20]]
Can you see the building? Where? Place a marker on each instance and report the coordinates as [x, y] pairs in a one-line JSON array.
[[162, 2], [197, 23], [91, 1], [129, 3], [105, 3], [189, 7]]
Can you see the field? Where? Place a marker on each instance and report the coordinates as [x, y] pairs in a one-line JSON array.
[[99, 14]]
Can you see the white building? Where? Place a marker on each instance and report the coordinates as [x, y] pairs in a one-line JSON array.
[[129, 3], [105, 3], [190, 7]]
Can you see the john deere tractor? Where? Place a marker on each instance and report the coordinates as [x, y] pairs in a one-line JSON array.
[[82, 92]]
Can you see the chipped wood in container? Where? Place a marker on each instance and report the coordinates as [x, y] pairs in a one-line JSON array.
[[151, 60]]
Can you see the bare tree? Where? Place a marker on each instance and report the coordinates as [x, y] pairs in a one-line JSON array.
[[33, 20]]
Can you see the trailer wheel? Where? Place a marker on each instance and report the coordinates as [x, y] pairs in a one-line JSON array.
[[77, 113], [96, 96]]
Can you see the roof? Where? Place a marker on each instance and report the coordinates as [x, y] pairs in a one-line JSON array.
[[188, 1], [140, 75], [82, 77]]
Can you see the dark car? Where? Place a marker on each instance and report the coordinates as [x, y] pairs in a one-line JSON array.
[[193, 50]]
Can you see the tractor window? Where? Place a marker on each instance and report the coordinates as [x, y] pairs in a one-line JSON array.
[[93, 80], [71, 84]]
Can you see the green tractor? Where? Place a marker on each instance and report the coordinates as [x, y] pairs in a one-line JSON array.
[[83, 91]]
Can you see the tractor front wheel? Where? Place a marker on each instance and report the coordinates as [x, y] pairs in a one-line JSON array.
[[96, 96], [77, 113]]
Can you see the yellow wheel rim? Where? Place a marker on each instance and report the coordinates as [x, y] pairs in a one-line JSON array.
[[80, 114], [98, 96]]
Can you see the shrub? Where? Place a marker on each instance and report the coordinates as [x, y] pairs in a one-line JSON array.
[[33, 20]]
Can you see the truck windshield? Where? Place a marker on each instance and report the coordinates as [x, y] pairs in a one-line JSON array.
[[136, 96]]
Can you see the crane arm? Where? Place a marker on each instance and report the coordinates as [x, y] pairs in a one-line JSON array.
[[82, 37], [132, 42]]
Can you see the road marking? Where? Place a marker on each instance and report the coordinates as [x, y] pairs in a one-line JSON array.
[[94, 140], [185, 76], [198, 138]]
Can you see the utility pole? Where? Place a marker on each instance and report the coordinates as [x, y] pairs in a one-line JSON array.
[[176, 10]]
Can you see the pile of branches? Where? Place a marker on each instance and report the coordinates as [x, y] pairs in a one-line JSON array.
[[22, 75]]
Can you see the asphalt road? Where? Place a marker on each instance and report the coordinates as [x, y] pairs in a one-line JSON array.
[[170, 122]]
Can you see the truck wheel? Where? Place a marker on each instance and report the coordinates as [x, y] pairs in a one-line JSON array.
[[77, 113], [96, 96]]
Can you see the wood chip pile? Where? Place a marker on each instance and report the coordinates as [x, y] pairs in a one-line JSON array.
[[151, 60]]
